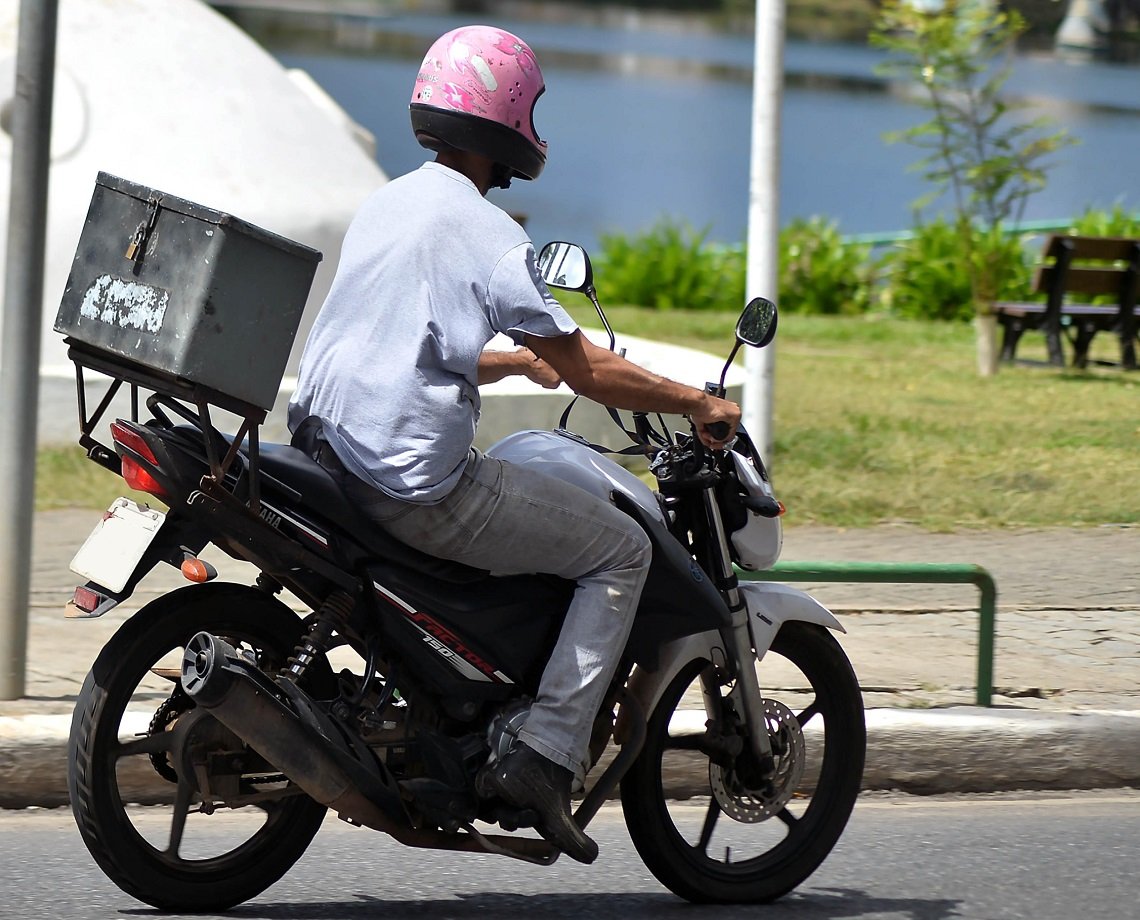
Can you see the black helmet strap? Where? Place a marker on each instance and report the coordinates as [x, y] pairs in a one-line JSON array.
[[501, 176]]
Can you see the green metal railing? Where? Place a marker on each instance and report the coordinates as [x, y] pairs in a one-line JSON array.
[[1054, 225], [908, 573]]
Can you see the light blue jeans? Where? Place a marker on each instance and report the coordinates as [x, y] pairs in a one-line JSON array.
[[511, 520]]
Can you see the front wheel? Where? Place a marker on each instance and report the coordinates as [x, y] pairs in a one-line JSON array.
[[136, 736], [735, 839]]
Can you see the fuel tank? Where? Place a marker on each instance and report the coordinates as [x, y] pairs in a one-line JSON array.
[[565, 456]]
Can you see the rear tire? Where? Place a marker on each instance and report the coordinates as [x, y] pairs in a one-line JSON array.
[[769, 846], [107, 756]]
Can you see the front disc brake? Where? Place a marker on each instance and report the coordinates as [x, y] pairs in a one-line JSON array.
[[750, 806]]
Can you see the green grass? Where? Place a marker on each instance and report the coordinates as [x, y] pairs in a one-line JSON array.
[[65, 478], [882, 420]]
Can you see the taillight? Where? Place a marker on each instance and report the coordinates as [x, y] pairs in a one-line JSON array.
[[134, 473]]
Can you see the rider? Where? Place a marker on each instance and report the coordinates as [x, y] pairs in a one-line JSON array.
[[429, 272]]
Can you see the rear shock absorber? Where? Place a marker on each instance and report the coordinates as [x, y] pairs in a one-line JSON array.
[[332, 617]]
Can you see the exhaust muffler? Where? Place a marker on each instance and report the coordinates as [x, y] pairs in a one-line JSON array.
[[280, 722], [299, 740]]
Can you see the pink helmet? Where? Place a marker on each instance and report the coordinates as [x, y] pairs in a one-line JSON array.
[[476, 91]]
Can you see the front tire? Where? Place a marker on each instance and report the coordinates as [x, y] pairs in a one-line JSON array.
[[742, 845], [134, 684]]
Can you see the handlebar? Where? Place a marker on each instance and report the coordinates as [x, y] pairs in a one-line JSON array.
[[718, 430]]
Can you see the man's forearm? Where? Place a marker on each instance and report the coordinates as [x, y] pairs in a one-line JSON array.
[[614, 381]]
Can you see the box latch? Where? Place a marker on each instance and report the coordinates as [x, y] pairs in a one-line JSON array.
[[136, 248]]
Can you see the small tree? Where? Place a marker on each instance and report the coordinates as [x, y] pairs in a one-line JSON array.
[[959, 53]]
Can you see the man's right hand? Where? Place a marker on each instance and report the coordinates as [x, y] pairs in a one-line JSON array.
[[713, 411]]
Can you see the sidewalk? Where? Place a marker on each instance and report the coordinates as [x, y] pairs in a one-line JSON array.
[[1066, 710]]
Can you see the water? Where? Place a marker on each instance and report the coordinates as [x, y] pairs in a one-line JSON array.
[[644, 125]]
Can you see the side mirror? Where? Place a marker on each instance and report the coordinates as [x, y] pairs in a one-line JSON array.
[[566, 266], [757, 324], [756, 327]]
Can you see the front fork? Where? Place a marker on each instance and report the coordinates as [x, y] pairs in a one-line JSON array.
[[739, 639]]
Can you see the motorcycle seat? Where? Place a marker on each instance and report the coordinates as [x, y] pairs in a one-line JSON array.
[[322, 500], [322, 496]]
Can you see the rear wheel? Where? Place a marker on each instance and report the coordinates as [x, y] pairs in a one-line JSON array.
[[235, 825], [731, 839]]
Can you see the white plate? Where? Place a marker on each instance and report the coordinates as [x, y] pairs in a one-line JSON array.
[[109, 556]]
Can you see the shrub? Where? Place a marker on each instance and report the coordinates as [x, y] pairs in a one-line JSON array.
[[819, 273], [928, 275], [960, 54], [1116, 222], [671, 266]]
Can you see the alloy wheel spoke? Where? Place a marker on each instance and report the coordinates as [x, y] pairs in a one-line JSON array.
[[158, 743], [808, 714], [787, 817], [182, 801], [709, 825]]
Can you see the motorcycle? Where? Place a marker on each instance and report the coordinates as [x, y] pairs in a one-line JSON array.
[[231, 701]]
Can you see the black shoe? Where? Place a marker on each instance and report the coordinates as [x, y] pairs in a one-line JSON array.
[[526, 779]]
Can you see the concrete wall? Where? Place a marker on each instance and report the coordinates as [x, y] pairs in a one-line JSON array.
[[171, 94], [514, 404]]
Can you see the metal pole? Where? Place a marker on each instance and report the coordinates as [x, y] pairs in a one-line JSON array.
[[23, 307], [764, 211]]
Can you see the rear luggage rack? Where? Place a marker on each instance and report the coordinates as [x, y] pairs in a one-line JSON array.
[[192, 304], [169, 393]]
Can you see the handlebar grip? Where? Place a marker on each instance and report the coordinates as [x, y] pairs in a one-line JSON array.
[[718, 430]]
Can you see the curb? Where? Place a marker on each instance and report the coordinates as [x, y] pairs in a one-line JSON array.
[[923, 752], [972, 749]]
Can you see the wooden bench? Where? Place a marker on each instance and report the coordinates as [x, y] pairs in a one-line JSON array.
[[1091, 267]]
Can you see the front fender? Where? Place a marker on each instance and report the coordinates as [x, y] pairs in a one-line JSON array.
[[771, 604]]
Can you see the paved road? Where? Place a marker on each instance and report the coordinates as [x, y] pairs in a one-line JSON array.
[[1047, 857]]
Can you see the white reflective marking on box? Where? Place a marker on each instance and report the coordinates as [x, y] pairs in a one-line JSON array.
[[128, 304], [110, 554]]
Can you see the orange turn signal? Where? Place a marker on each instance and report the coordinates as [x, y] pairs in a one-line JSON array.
[[195, 569]]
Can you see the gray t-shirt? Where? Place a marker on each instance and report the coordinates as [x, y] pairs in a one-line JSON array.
[[429, 272]]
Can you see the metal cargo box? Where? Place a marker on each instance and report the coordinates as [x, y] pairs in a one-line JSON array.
[[189, 293]]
